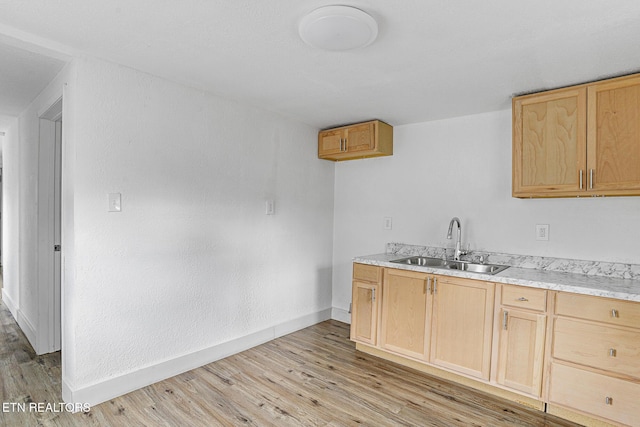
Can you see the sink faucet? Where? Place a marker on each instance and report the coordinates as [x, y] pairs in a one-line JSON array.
[[458, 251]]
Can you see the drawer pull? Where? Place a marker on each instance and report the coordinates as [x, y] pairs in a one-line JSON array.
[[614, 313], [612, 352], [608, 400], [522, 299]]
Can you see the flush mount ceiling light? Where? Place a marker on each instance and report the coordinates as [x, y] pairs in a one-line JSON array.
[[338, 28]]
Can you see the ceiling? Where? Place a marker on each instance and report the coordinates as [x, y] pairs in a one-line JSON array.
[[433, 59]]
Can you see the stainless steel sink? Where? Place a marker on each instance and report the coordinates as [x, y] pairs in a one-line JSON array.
[[475, 268], [421, 261]]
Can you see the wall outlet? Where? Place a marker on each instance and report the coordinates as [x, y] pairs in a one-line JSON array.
[[388, 223], [542, 231], [270, 207]]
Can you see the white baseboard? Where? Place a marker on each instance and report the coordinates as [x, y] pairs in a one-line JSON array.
[[118, 386], [22, 320], [11, 305], [340, 315]]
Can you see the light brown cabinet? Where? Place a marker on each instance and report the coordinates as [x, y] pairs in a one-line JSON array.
[[406, 313], [462, 325], [365, 303], [595, 357], [578, 141], [521, 329], [361, 140]]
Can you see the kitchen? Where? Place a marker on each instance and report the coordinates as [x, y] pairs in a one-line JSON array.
[[325, 214]]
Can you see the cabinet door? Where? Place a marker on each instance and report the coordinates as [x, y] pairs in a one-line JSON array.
[[521, 351], [614, 135], [405, 313], [549, 143], [364, 312], [360, 137], [330, 142], [462, 326]]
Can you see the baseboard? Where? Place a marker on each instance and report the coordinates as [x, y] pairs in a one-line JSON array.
[[11, 305], [22, 320], [118, 386], [340, 315]]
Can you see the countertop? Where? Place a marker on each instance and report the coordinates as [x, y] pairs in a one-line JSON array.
[[603, 286]]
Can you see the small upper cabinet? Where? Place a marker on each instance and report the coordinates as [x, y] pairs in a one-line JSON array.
[[578, 141], [369, 139]]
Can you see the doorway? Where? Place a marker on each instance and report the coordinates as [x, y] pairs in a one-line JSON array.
[[50, 220]]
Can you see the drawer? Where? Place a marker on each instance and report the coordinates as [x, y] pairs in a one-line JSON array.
[[608, 310], [368, 273], [597, 345], [523, 297], [595, 394]]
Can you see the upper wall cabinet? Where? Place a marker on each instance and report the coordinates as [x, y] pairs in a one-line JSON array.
[[369, 139], [578, 141]]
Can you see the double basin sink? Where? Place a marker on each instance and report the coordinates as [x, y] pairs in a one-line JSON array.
[[421, 261]]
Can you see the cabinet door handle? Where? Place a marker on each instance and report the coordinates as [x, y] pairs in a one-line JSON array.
[[505, 316], [435, 285], [581, 179], [428, 283], [373, 294], [522, 299], [591, 179], [612, 352], [608, 400], [614, 313]]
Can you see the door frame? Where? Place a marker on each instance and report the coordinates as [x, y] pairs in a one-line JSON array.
[[49, 327]]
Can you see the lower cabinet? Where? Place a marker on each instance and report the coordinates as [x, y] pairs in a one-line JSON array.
[[365, 304], [595, 357], [462, 325], [578, 356], [521, 328], [406, 313], [595, 393]]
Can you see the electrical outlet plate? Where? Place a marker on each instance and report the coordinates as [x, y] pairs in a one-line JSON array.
[[388, 223], [542, 231]]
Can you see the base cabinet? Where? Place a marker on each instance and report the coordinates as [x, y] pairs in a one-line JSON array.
[[462, 326], [365, 305], [406, 313], [578, 356], [521, 350], [521, 327], [595, 357], [596, 394]]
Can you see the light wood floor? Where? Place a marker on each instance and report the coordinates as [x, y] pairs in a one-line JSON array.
[[313, 377]]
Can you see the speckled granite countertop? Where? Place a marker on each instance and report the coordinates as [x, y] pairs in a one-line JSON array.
[[621, 281]]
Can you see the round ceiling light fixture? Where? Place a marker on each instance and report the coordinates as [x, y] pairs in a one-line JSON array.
[[338, 28]]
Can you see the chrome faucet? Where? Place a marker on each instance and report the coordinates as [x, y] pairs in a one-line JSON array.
[[458, 251]]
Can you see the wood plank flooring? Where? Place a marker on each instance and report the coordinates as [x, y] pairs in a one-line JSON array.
[[313, 377]]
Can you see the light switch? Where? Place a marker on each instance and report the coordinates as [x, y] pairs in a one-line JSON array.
[[115, 202], [270, 208]]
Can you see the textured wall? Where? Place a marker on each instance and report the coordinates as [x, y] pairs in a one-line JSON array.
[[462, 167], [192, 260]]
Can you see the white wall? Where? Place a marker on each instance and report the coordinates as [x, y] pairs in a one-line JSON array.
[[192, 261], [462, 167], [10, 218]]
